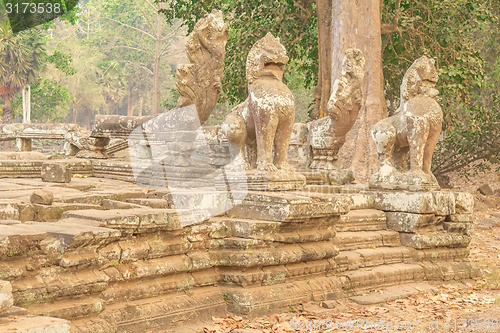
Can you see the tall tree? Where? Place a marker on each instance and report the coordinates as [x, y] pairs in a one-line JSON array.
[[21, 58], [357, 24], [133, 32]]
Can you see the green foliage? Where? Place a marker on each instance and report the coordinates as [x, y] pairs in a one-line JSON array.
[[62, 62], [445, 30], [462, 35], [472, 132], [21, 59], [250, 20], [49, 102]]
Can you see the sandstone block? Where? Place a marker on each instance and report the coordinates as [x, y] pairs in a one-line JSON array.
[[485, 189], [42, 197], [432, 240], [56, 172], [464, 218], [290, 207], [6, 299], [409, 222], [464, 202], [439, 203]]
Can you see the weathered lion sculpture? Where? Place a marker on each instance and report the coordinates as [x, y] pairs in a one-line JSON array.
[[413, 130], [265, 119]]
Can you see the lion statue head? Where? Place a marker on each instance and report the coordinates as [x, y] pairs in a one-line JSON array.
[[420, 79], [267, 57]]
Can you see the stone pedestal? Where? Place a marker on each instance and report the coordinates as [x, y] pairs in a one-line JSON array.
[[438, 225]]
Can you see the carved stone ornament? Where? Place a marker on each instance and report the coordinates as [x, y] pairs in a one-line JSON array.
[[200, 82], [327, 135]]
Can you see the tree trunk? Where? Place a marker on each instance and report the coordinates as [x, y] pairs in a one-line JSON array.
[[156, 71], [7, 112], [322, 91], [131, 102], [26, 94], [357, 24], [75, 114]]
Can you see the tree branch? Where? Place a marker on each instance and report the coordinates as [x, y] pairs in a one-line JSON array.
[[133, 48], [130, 26], [140, 66], [389, 28], [146, 16]]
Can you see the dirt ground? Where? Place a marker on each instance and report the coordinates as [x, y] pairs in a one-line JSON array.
[[465, 306]]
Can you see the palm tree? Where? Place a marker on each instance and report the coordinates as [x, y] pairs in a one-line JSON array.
[[21, 59]]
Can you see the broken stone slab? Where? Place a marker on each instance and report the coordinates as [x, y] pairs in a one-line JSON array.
[[9, 211], [42, 197], [409, 222], [54, 172], [33, 324], [6, 299], [458, 227], [464, 203], [438, 203], [288, 207], [464, 218], [434, 240], [485, 189]]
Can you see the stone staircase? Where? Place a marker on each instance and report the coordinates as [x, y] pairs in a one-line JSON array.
[[108, 257]]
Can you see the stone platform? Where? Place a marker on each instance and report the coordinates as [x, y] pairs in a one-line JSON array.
[[108, 255]]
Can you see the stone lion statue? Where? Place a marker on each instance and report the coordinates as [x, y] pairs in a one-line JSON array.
[[265, 119], [414, 130]]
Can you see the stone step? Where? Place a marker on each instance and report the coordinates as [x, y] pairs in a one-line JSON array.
[[441, 254], [58, 285], [150, 202], [33, 324], [52, 213], [69, 309], [451, 270], [143, 289], [286, 254], [430, 240], [382, 276], [270, 275], [393, 293], [352, 260], [347, 241], [156, 313], [18, 239], [131, 221], [281, 232], [362, 220], [290, 206]]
